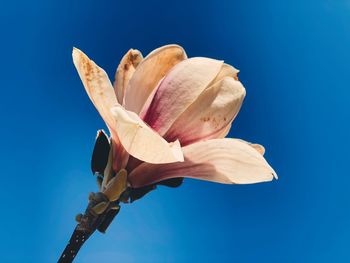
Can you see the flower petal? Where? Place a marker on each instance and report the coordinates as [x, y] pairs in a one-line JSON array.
[[120, 155], [227, 71], [228, 161], [127, 129], [125, 71], [258, 147], [149, 72], [178, 90], [141, 141], [224, 131], [149, 100], [212, 111], [97, 85]]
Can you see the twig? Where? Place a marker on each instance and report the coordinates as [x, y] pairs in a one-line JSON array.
[[88, 223]]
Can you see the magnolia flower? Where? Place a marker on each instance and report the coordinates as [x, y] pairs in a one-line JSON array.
[[168, 116]]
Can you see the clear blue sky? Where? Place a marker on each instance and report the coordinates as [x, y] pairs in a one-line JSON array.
[[294, 60]]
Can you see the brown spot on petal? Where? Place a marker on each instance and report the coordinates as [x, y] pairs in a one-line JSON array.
[[205, 119], [135, 57]]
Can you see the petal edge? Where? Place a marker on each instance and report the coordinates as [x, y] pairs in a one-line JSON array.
[[228, 161]]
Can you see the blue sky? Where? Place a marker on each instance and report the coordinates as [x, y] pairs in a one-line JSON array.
[[294, 61]]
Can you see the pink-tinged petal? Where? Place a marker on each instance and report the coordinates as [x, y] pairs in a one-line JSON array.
[[227, 161], [120, 155], [179, 89], [149, 72], [125, 71], [149, 100], [210, 113], [133, 163], [133, 134], [225, 71], [223, 133], [101, 93], [141, 141]]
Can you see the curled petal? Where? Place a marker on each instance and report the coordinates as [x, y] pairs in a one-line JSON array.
[[125, 71], [149, 72], [258, 147], [228, 161], [227, 71], [178, 90], [210, 113], [141, 141]]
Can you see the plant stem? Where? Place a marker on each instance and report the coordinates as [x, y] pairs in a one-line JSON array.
[[88, 224], [76, 241]]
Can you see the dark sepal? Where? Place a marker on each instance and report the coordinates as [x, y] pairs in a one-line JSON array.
[[172, 182], [137, 193], [100, 154], [108, 220]]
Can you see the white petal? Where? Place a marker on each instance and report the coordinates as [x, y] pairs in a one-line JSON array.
[[125, 71], [227, 161], [227, 71], [142, 142], [97, 85], [258, 147]]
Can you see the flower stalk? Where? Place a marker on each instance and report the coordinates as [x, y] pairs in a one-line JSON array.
[[97, 216]]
